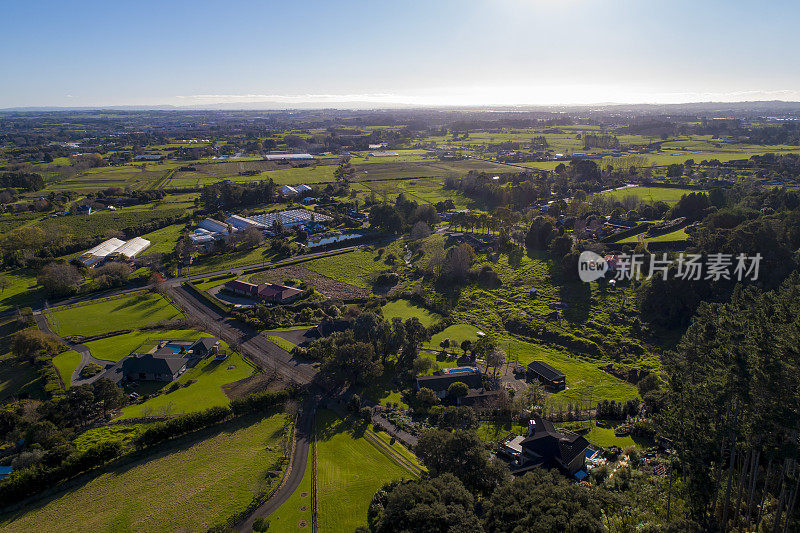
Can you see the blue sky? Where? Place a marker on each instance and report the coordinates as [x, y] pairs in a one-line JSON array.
[[434, 52]]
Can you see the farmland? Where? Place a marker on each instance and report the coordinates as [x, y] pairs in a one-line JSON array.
[[651, 194], [127, 312], [232, 461]]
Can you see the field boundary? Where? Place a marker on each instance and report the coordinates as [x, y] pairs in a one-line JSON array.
[[389, 452]]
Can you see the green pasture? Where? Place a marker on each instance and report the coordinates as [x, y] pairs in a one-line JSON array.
[[23, 289], [349, 470], [188, 486], [298, 507], [120, 433], [405, 309], [126, 312], [651, 194]]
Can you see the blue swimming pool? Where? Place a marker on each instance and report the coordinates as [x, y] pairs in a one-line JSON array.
[[176, 348], [457, 370]]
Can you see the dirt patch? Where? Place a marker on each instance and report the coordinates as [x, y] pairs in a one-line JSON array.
[[258, 383], [327, 286], [302, 523], [304, 495], [304, 508]]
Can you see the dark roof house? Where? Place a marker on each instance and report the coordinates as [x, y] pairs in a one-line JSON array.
[[547, 375], [153, 367], [441, 380], [546, 447], [204, 346]]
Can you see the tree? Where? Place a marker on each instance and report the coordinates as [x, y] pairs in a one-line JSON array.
[[438, 504], [495, 358], [30, 343], [540, 233], [466, 345], [59, 279], [420, 231], [427, 398], [385, 218], [457, 390], [543, 501], [463, 454]]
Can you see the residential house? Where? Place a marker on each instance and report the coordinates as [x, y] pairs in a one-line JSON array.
[[270, 292], [204, 346], [441, 380], [545, 447], [158, 366], [548, 376]]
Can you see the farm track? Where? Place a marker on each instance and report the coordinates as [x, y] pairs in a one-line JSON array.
[[393, 454]]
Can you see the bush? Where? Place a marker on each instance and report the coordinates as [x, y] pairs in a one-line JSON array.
[[260, 525]]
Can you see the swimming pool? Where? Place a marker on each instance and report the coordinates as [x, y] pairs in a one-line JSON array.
[[457, 370], [176, 348]]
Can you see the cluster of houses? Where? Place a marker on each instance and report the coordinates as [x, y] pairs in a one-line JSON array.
[[113, 249], [269, 292], [209, 229], [543, 446]]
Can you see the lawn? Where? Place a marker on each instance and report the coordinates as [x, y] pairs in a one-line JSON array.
[[601, 433], [191, 486], [119, 346], [404, 310], [17, 376], [209, 376], [22, 291], [678, 235], [163, 240], [349, 470], [127, 312], [457, 333], [281, 343], [298, 506], [66, 363], [652, 194]]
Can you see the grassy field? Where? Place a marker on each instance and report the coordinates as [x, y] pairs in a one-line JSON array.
[[350, 470], [114, 433], [404, 310], [651, 194], [457, 333], [163, 240], [119, 346], [355, 268], [298, 507], [679, 235], [203, 388], [584, 379], [127, 312], [190, 486], [281, 343], [22, 291], [66, 363]]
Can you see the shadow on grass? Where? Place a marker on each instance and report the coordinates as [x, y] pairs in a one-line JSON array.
[[329, 425]]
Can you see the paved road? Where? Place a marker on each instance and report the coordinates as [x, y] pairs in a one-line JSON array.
[[86, 354], [261, 351], [299, 460]]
